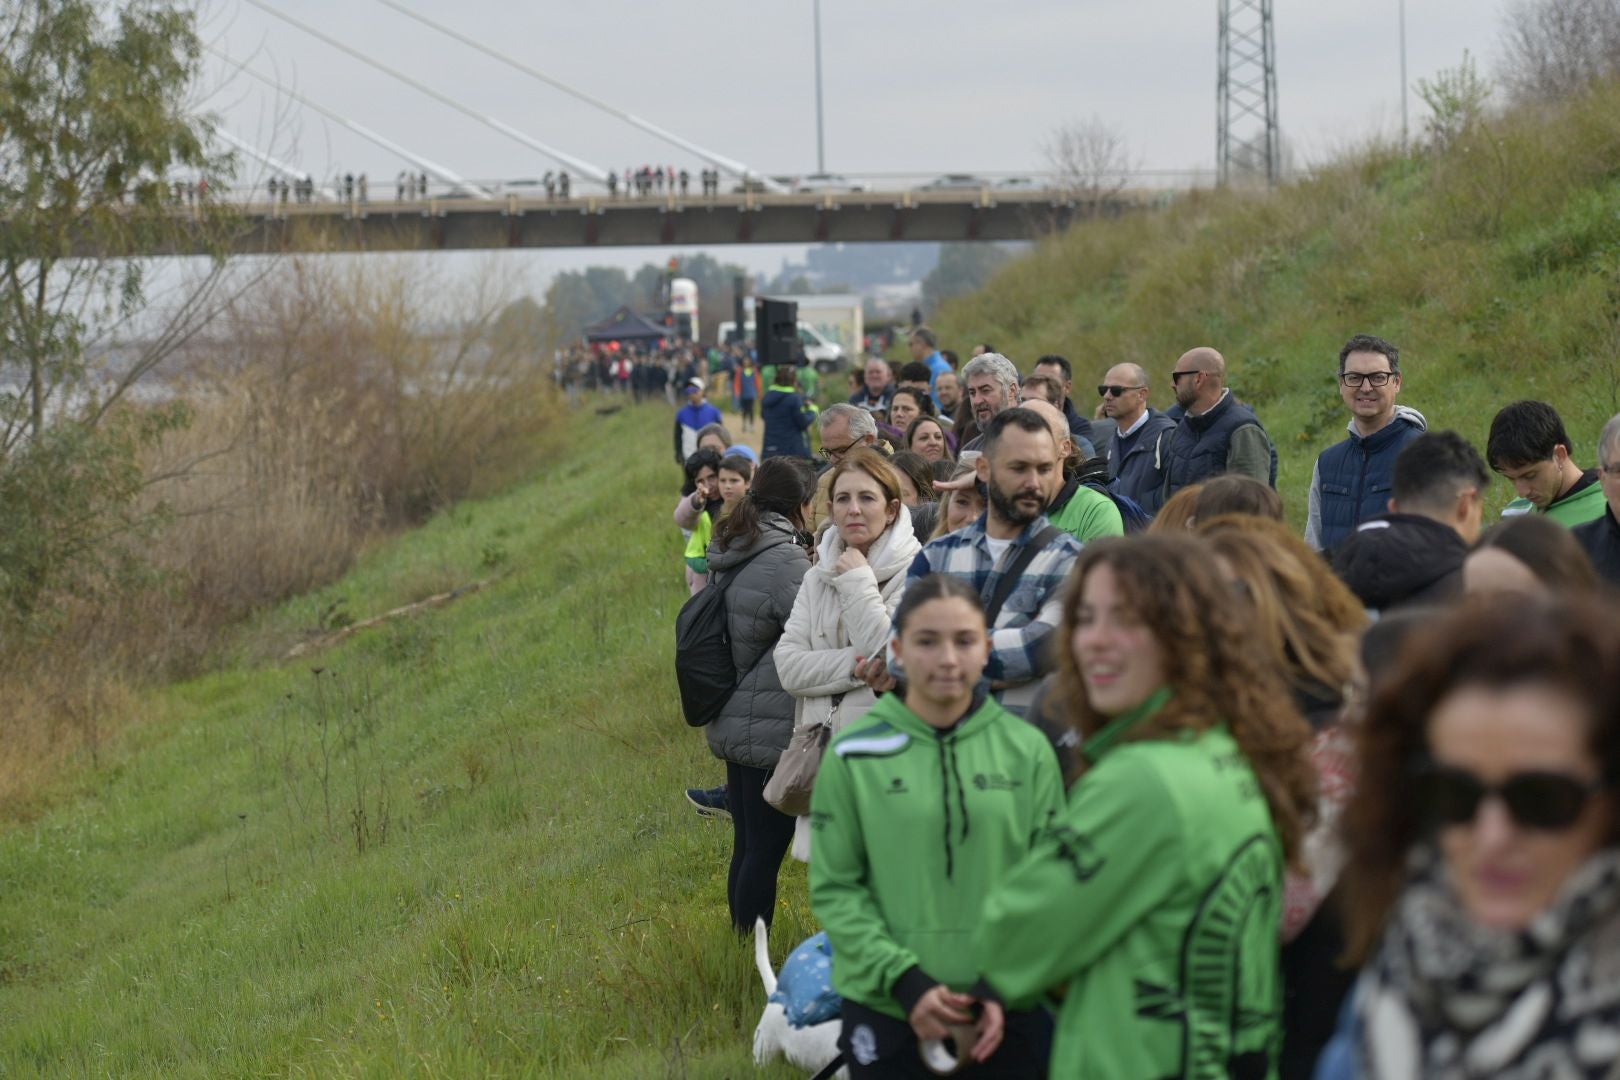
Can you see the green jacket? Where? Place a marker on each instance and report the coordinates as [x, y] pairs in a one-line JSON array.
[[1156, 900], [1585, 502], [912, 828]]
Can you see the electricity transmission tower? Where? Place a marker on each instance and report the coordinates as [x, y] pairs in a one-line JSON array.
[[1246, 93]]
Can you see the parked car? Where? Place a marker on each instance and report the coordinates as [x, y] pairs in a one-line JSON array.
[[827, 356], [1021, 183]]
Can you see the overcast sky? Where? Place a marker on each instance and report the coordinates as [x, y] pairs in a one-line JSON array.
[[910, 86]]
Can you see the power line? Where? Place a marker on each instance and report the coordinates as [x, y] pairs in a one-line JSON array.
[[433, 168], [719, 160], [568, 160]]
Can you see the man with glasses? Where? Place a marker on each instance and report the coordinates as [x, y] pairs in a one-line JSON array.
[[1217, 434], [1136, 452], [1601, 536], [1353, 478], [1529, 446], [843, 428]]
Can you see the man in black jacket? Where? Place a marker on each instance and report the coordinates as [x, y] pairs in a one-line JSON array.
[[1601, 537], [1414, 554]]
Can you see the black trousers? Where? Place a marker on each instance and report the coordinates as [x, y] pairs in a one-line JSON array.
[[888, 1047], [760, 835]]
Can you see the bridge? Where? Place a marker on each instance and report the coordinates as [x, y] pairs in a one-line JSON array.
[[465, 223]]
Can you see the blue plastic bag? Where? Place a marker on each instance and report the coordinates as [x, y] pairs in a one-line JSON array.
[[804, 986]]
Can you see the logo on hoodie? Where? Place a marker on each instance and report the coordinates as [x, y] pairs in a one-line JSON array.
[[897, 786], [1077, 849], [995, 782]]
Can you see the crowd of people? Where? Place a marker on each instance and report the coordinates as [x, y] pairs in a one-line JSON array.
[[1101, 769]]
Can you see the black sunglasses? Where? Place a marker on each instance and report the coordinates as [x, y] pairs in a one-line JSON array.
[[1535, 800], [1175, 376], [1116, 391]]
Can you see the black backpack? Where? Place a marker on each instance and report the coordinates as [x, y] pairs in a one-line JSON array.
[[703, 664]]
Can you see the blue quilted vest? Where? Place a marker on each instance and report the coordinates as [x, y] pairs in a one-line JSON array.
[[1198, 446], [1355, 478]]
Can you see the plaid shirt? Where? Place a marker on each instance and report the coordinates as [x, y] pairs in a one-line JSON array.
[[1018, 652]]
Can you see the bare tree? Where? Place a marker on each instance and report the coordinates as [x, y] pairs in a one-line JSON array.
[[1552, 48], [1092, 161]]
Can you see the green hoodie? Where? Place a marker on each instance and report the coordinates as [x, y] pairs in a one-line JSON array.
[[1155, 900], [912, 828], [1585, 502]]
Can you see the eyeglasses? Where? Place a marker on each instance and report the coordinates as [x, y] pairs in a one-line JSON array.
[[1534, 800], [827, 453], [1353, 379], [1175, 376], [1116, 391]]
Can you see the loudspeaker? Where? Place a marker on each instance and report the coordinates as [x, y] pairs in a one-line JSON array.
[[776, 330]]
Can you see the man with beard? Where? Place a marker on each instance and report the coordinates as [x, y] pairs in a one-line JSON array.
[[1018, 463], [992, 385], [1217, 434]]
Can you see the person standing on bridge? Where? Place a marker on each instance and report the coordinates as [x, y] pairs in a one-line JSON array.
[[563, 184], [365, 188], [685, 178], [348, 187], [613, 184]]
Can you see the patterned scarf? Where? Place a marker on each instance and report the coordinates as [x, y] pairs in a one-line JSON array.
[[1447, 999]]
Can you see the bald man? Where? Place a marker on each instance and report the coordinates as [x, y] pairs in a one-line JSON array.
[[1079, 510], [1217, 434], [1135, 451]]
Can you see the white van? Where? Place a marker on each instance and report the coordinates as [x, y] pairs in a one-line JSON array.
[[825, 355]]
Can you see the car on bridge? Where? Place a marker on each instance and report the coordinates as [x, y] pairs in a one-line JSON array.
[[827, 183], [956, 182]]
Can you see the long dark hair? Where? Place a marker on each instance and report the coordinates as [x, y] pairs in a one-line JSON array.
[[1570, 642], [1215, 673], [782, 485], [934, 587]]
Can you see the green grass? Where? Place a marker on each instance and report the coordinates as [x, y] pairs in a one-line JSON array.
[[1494, 266], [452, 846]]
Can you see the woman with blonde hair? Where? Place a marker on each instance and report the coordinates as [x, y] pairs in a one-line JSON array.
[[1155, 898], [846, 603], [958, 507], [1178, 513]]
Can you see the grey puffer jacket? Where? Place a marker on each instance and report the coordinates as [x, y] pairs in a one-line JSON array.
[[754, 727]]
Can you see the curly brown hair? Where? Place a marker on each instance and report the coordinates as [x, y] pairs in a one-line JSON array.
[[1174, 589], [1307, 619], [1492, 641]]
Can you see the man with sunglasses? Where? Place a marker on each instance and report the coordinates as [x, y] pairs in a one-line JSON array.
[[1217, 434], [1353, 479], [1135, 453]]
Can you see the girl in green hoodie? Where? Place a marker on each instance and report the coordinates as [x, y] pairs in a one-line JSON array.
[[1153, 904], [919, 808]]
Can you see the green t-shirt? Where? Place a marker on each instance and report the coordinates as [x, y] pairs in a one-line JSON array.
[[1584, 503], [697, 548], [1089, 515]]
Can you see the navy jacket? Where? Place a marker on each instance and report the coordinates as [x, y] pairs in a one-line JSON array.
[[1136, 462], [1601, 539], [1353, 479], [786, 416], [1197, 449]]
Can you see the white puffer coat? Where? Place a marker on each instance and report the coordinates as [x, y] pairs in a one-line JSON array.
[[836, 618]]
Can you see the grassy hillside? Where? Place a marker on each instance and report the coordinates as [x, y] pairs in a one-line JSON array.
[[1493, 263], [451, 846]]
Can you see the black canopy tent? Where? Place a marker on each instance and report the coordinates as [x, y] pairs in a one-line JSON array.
[[627, 326]]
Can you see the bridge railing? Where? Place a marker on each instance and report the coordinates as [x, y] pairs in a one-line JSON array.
[[987, 184]]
